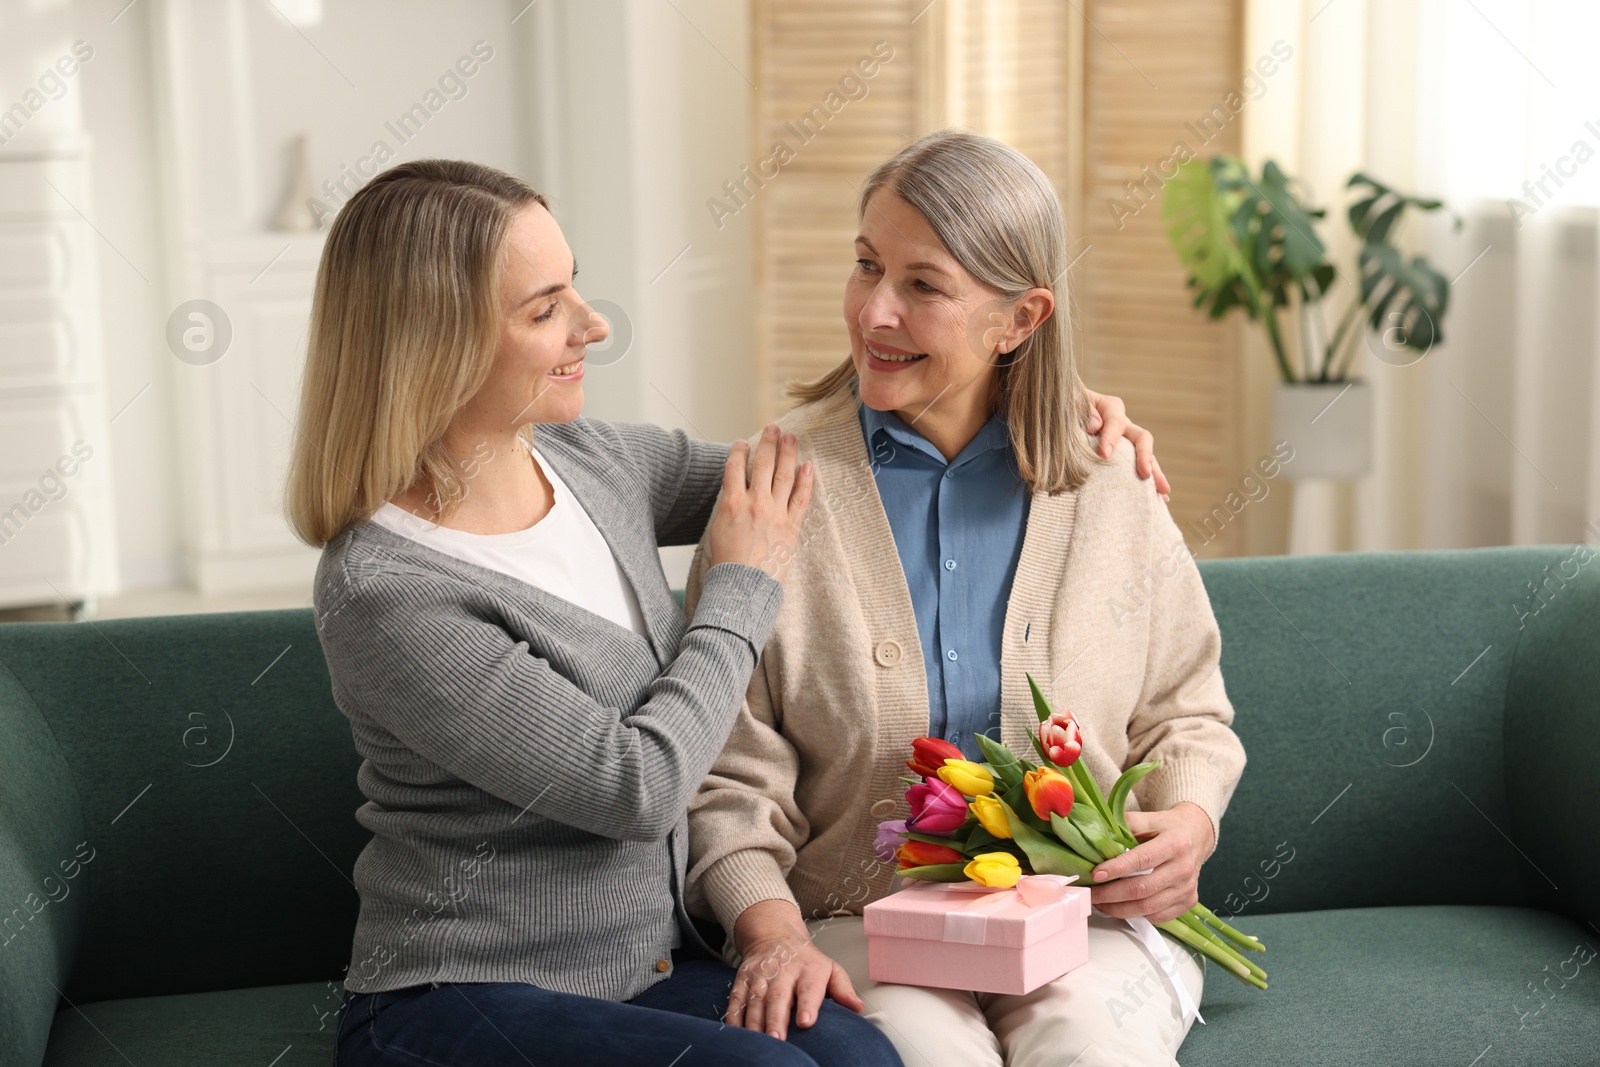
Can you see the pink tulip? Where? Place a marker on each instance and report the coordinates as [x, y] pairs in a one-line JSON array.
[[1062, 741], [936, 808]]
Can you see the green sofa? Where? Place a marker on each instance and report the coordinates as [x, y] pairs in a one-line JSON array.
[[1414, 837]]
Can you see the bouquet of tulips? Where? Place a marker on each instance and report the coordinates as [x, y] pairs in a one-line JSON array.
[[993, 822]]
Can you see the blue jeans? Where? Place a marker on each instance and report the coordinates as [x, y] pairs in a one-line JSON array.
[[674, 1023]]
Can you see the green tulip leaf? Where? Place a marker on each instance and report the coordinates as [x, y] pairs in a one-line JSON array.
[[980, 840], [1074, 839], [954, 841], [1041, 706], [1007, 769], [976, 847], [1124, 785], [1091, 824], [1045, 855], [937, 872]]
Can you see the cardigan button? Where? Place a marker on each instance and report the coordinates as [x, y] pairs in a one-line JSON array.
[[882, 808], [888, 653], [663, 966]]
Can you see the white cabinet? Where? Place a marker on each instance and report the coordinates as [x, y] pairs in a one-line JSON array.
[[57, 536]]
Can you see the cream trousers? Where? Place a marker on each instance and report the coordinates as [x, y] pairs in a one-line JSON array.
[[1117, 1010]]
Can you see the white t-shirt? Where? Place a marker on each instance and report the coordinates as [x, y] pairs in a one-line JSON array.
[[563, 553]]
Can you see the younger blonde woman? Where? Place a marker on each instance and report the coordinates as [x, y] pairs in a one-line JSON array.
[[532, 709]]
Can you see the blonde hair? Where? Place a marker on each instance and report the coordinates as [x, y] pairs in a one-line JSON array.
[[999, 217], [404, 325]]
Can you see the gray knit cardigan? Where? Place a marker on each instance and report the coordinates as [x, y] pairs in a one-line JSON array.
[[528, 763]]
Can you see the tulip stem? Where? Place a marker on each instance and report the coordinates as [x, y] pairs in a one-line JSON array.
[[1214, 950], [1242, 940], [1198, 925], [1183, 933]]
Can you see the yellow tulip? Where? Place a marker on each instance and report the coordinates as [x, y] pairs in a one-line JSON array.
[[970, 778], [991, 813], [997, 870]]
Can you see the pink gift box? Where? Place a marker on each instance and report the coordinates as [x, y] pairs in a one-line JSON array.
[[964, 936]]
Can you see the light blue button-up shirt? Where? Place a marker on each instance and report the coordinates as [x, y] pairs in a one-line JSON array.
[[958, 527]]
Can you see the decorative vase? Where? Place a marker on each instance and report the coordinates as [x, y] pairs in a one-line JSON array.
[[294, 214], [1329, 425]]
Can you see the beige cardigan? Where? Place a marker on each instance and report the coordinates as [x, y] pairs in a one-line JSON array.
[[1107, 612]]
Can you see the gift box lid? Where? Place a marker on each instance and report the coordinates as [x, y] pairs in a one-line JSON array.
[[968, 913]]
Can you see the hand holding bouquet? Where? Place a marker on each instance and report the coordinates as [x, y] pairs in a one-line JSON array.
[[996, 821]]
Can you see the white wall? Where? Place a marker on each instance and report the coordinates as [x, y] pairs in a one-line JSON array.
[[629, 112], [642, 111], [646, 113]]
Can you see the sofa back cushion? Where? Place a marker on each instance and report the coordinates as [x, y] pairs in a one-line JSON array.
[[1370, 693], [217, 783]]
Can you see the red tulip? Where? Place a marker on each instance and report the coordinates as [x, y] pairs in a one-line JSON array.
[[1062, 741], [929, 754], [1048, 791], [921, 854], [936, 808]]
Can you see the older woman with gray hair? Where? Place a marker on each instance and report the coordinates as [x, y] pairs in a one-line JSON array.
[[965, 533]]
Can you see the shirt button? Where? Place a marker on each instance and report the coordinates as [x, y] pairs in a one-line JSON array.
[[949, 564], [663, 966], [949, 473], [950, 655], [888, 652], [882, 808]]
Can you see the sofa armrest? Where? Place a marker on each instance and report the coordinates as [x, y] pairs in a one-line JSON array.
[[1552, 737], [42, 875]]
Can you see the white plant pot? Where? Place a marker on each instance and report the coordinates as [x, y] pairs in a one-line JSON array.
[[1329, 426]]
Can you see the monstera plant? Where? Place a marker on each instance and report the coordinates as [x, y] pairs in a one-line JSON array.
[[1251, 243]]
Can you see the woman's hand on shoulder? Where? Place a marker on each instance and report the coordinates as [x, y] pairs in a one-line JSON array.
[[783, 973], [1173, 845], [757, 520], [1108, 417]]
